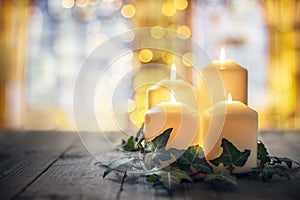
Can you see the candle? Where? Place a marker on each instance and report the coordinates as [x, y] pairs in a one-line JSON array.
[[234, 79], [172, 114], [240, 128], [160, 92]]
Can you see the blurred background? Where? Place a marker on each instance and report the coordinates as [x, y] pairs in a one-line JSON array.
[[43, 44]]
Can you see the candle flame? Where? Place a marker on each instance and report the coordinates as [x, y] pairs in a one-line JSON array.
[[173, 72], [172, 96], [222, 55], [229, 98]]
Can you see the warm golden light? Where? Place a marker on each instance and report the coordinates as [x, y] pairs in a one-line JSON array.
[[168, 9], [82, 3], [184, 32], [67, 3], [145, 55], [167, 57], [229, 98], [173, 72], [128, 11], [157, 32], [181, 4], [172, 96], [222, 55]]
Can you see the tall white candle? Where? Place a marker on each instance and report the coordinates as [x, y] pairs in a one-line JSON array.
[[234, 77]]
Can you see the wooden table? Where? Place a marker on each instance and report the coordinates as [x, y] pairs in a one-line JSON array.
[[55, 165]]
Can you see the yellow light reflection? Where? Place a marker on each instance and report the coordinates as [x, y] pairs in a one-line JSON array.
[[128, 11], [168, 57], [187, 59], [184, 32], [67, 3], [82, 3], [168, 9], [157, 32], [181, 4], [145, 55], [137, 117]]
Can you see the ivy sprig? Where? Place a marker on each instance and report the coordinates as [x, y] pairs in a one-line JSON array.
[[183, 165]]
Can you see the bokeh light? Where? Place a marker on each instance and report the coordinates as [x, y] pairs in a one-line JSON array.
[[168, 9], [181, 4], [145, 55], [67, 3], [128, 11], [184, 32]]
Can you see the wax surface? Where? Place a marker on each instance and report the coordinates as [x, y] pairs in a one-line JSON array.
[[179, 116], [240, 128], [160, 92], [234, 78]]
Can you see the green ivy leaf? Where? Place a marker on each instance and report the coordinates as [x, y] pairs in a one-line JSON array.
[[267, 172], [125, 163], [129, 145], [221, 178], [134, 143], [169, 179], [193, 158], [231, 156], [262, 154], [157, 147]]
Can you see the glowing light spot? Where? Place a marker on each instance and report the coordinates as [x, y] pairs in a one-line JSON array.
[[168, 57], [157, 32], [67, 3], [229, 98], [187, 59], [93, 2], [145, 55], [222, 55], [82, 3], [181, 4], [183, 32], [128, 11], [168, 9], [136, 117]]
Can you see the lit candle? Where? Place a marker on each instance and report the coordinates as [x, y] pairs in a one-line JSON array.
[[240, 128], [234, 79], [172, 114], [160, 92]]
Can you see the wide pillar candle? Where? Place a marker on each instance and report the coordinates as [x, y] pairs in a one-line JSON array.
[[179, 116], [234, 77], [240, 128]]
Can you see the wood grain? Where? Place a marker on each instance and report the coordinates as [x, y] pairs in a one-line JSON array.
[[58, 166]]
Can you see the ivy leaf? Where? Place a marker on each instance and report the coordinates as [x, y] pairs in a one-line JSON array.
[[231, 156], [193, 159], [267, 172], [221, 178], [134, 143], [169, 179], [129, 145], [126, 163], [280, 160], [157, 147], [262, 153]]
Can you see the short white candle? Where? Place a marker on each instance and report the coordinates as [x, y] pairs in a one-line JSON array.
[[240, 128], [172, 114]]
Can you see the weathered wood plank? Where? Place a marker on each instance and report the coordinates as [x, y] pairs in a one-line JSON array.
[[24, 156], [76, 175]]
